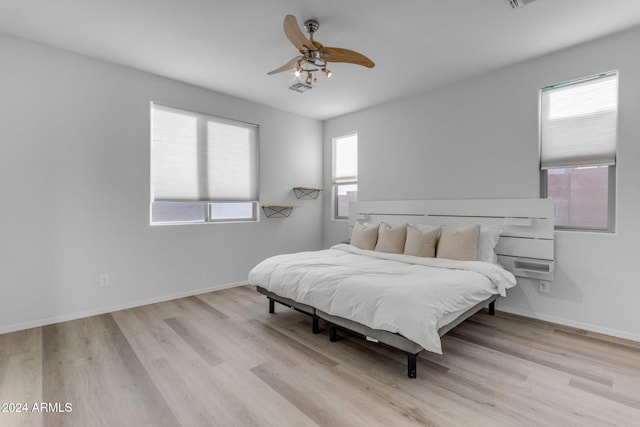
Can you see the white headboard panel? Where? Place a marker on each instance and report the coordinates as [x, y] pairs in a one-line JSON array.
[[526, 246]]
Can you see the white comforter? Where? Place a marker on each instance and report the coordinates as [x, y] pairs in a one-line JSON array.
[[397, 293]]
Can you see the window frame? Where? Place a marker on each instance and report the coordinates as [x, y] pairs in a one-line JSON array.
[[206, 214], [206, 205], [611, 176], [611, 202], [252, 218], [335, 199], [337, 182]]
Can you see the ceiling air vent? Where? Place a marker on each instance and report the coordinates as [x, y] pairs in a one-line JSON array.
[[518, 3], [300, 87]]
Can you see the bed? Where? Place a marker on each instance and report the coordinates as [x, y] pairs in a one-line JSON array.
[[404, 300]]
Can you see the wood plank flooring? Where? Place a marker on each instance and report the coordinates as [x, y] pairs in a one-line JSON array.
[[219, 359]]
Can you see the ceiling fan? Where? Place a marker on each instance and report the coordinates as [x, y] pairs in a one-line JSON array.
[[313, 55]]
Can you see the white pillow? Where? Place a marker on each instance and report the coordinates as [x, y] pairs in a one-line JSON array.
[[486, 245], [364, 237]]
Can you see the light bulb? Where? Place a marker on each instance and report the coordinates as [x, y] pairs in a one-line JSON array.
[[327, 72]]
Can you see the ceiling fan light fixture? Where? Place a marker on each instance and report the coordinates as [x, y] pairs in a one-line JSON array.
[[314, 55]]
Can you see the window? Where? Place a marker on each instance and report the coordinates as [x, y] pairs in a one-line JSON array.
[[578, 139], [203, 168], [345, 173]]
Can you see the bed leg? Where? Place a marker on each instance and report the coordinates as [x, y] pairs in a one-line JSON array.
[[333, 333], [315, 325], [272, 306], [412, 365], [492, 308]]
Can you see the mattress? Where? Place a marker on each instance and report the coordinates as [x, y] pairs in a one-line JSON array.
[[411, 296]]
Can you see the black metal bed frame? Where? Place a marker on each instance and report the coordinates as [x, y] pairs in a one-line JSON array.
[[411, 349]]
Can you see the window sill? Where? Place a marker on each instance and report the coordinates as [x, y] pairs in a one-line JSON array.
[[584, 231], [240, 221]]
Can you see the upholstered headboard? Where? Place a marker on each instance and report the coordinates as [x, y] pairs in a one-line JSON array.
[[526, 245]]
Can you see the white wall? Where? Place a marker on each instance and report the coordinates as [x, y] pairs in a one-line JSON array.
[[74, 189], [479, 139]]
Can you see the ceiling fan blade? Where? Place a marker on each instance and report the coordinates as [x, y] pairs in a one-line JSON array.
[[295, 34], [337, 54], [286, 67]]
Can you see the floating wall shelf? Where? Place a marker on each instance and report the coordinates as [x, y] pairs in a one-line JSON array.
[[307, 192], [534, 268], [278, 211]]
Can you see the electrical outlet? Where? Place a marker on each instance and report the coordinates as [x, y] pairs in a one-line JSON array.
[[103, 280], [544, 286]]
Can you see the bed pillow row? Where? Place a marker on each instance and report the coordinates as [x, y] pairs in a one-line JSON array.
[[464, 243]]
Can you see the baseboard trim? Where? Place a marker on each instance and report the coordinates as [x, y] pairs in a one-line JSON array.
[[570, 323], [110, 309], [139, 303]]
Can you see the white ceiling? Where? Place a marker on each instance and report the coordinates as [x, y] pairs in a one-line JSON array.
[[229, 46]]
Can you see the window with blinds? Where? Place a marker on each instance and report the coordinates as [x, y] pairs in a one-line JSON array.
[[578, 145], [204, 168], [345, 173]]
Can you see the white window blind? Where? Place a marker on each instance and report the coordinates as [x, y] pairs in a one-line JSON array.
[[346, 158], [578, 122], [197, 157], [345, 173]]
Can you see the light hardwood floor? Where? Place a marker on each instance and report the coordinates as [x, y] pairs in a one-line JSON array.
[[220, 359]]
